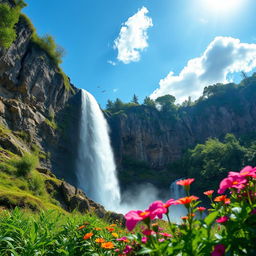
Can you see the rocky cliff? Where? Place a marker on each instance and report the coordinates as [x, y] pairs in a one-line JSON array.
[[35, 102], [142, 134]]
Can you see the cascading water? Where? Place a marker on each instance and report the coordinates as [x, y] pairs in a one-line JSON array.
[[177, 211], [177, 191], [96, 170]]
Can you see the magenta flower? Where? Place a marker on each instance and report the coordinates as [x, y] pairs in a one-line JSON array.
[[234, 180], [165, 234], [124, 238], [222, 219], [133, 217], [248, 171], [148, 232], [144, 239], [157, 209], [161, 240], [253, 211], [219, 250], [170, 202], [127, 249]]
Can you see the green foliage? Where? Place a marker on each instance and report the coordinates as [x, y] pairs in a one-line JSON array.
[[149, 102], [211, 161], [8, 18], [52, 233], [47, 43], [135, 99], [26, 164], [167, 103]]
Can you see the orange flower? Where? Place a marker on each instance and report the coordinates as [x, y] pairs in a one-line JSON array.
[[100, 240], [186, 182], [209, 192], [97, 229], [81, 227], [184, 218], [114, 235], [108, 245], [112, 225], [222, 198], [87, 236], [110, 229], [186, 200]]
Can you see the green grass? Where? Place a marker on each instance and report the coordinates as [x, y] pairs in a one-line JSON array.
[[26, 233]]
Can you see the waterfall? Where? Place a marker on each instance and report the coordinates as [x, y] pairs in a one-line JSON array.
[[177, 211], [96, 170], [177, 191]]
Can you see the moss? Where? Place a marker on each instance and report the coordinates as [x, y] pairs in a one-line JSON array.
[[52, 124], [25, 19], [66, 81]]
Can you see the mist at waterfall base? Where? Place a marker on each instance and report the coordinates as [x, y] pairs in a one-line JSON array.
[[96, 170]]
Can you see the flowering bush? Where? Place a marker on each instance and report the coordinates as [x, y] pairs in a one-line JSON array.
[[229, 227]]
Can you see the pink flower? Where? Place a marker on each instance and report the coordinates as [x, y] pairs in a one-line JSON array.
[[144, 239], [127, 249], [161, 240], [157, 209], [133, 217], [201, 208], [248, 171], [222, 219], [148, 232], [124, 238], [170, 202], [234, 180], [165, 234], [219, 250]]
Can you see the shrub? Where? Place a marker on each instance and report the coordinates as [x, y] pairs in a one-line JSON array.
[[48, 44], [26, 164], [36, 184], [8, 18]]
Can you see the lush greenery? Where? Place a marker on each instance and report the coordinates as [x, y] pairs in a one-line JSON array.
[[211, 161], [48, 44], [54, 233], [226, 228], [8, 18]]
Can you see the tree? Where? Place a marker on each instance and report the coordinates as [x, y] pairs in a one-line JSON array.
[[135, 99], [110, 105], [149, 102], [166, 102], [118, 104]]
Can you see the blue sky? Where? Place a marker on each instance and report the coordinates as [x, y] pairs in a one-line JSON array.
[[218, 37]]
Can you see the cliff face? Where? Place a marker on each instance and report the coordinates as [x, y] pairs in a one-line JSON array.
[[158, 138], [35, 104]]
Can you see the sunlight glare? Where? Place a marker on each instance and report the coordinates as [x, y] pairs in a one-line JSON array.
[[222, 5]]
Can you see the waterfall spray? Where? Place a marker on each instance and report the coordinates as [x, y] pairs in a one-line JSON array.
[[96, 170]]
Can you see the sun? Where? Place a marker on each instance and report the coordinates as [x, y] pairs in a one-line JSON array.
[[222, 5]]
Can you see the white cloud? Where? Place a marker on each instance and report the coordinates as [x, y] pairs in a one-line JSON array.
[[115, 90], [111, 62], [133, 37], [222, 57]]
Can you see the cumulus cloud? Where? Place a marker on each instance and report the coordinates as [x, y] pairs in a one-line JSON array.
[[222, 57], [133, 37]]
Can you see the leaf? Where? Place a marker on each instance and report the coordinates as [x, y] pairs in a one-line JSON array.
[[145, 250], [211, 218]]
